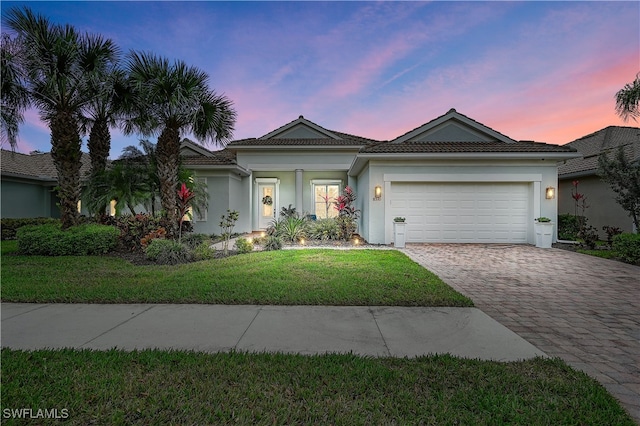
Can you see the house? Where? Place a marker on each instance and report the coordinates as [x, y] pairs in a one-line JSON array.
[[28, 184], [603, 209], [453, 178]]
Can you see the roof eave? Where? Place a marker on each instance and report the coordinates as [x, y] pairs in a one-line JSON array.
[[241, 171], [361, 159], [289, 147]]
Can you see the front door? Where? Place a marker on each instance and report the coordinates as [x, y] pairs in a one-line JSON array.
[[266, 204]]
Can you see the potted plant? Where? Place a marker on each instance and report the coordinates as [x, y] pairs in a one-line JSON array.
[[399, 232], [544, 232]]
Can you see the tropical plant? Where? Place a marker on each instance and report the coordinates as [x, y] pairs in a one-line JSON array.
[[14, 94], [58, 65], [324, 229], [579, 205], [290, 229], [288, 211], [122, 183], [628, 99], [623, 176], [144, 159], [168, 252], [272, 242], [347, 213], [200, 201], [183, 201], [169, 99], [611, 231]]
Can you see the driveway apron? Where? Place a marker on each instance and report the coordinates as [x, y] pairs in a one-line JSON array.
[[581, 308]]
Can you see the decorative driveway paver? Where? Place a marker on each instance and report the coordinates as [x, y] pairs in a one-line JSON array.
[[581, 308]]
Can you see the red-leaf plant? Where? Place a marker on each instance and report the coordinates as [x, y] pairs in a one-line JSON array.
[[185, 195]]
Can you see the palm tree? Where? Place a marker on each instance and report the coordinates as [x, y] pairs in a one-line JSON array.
[[627, 100], [120, 182], [170, 99], [144, 158], [15, 98], [101, 112], [59, 64]]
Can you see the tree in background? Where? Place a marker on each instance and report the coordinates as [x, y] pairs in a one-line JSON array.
[[169, 99], [58, 64], [624, 178], [15, 97], [627, 100]]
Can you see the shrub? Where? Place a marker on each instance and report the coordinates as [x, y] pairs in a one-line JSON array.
[[569, 226], [194, 240], [168, 252], [134, 228], [244, 246], [627, 246], [160, 233], [324, 229], [590, 236], [204, 251], [81, 240], [272, 242], [10, 226], [611, 231]]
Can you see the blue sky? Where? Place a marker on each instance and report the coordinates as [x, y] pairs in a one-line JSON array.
[[544, 71]]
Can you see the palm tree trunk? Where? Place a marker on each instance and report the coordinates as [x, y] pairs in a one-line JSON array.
[[168, 156], [99, 145], [65, 151]]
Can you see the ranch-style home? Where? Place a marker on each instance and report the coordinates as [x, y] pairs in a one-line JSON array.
[[454, 179]]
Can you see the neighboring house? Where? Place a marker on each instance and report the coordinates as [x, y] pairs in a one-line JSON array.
[[28, 184], [603, 209], [454, 179]]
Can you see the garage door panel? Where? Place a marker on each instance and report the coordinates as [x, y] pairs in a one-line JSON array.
[[463, 212]]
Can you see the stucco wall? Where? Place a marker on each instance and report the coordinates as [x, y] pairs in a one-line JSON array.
[[25, 200], [379, 228], [603, 208], [308, 159]]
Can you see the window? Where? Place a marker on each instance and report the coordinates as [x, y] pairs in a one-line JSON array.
[[324, 196]]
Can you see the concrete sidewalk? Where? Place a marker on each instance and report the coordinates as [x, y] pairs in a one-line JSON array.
[[371, 331]]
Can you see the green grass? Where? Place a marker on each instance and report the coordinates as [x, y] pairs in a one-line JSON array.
[[605, 254], [155, 387], [287, 277]]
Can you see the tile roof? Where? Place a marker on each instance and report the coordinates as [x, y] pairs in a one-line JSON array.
[[462, 147], [35, 166], [590, 146], [357, 141], [453, 113], [215, 160]]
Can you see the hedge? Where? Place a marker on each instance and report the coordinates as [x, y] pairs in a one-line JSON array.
[[51, 240], [627, 247], [10, 226]]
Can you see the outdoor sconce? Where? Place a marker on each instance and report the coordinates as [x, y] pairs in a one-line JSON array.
[[550, 193], [377, 193]]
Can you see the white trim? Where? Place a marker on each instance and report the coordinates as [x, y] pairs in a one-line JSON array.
[[470, 177], [326, 182], [267, 180], [279, 167]]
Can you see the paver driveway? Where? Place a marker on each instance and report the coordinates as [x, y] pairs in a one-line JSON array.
[[583, 309]]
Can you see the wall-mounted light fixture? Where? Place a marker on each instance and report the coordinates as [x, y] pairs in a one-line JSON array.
[[550, 193], [377, 193]]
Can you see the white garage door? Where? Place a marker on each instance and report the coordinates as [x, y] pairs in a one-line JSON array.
[[462, 212]]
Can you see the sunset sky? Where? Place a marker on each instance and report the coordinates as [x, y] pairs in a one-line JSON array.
[[544, 71]]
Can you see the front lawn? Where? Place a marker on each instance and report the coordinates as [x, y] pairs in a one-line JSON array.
[[286, 277], [155, 387]]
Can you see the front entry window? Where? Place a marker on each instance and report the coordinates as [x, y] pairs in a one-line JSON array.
[[324, 196]]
